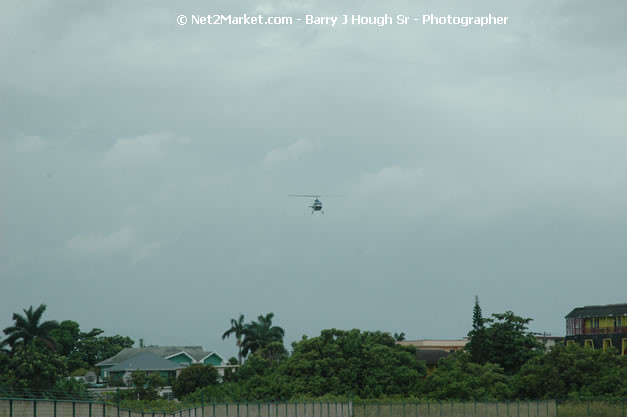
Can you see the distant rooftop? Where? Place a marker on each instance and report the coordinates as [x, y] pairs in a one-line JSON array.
[[607, 310], [146, 361], [436, 344], [196, 352]]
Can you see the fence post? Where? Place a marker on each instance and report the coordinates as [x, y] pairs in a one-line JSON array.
[[497, 409], [73, 408], [35, 408], [588, 407], [55, 408], [428, 408], [90, 409], [104, 409]]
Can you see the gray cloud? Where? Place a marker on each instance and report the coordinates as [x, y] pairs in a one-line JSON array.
[[144, 164]]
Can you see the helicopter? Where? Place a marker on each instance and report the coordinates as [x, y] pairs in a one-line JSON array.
[[315, 206]]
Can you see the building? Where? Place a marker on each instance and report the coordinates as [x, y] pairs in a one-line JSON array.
[[428, 344], [431, 351], [166, 359], [598, 327]]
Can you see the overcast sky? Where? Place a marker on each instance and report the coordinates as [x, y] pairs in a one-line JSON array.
[[145, 166]]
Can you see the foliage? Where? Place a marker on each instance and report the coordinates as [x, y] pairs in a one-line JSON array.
[[478, 346], [230, 374], [399, 337], [194, 377], [273, 352], [258, 334], [92, 348], [32, 366], [66, 337], [511, 345], [70, 386], [506, 341], [458, 378], [145, 386], [28, 328], [367, 364], [573, 371], [237, 329]]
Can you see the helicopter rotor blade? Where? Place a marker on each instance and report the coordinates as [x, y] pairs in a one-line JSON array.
[[303, 195]]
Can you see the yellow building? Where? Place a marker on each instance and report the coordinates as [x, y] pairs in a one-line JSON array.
[[598, 327]]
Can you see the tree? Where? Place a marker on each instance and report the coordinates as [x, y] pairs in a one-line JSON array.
[[145, 386], [237, 328], [478, 346], [399, 337], [367, 364], [505, 340], [32, 366], [66, 337], [194, 377], [273, 352], [28, 328], [258, 334], [92, 348], [566, 371], [458, 378], [511, 344]]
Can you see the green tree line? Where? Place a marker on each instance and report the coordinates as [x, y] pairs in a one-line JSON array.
[[502, 361]]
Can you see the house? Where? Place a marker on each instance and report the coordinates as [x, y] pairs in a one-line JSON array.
[[147, 362], [598, 327], [179, 356]]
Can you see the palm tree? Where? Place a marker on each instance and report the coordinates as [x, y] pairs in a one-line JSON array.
[[28, 328], [259, 334], [237, 328]]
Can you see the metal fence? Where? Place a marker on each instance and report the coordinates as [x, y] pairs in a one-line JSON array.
[[12, 407], [457, 409], [46, 407]]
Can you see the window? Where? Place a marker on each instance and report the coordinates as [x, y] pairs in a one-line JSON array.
[[607, 343], [588, 344]]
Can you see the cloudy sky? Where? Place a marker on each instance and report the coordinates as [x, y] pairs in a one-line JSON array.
[[145, 166]]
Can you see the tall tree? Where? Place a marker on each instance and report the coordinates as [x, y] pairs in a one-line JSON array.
[[478, 346], [259, 334], [28, 327], [237, 329]]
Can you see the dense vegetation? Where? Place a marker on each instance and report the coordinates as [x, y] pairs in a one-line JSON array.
[[503, 361]]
